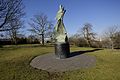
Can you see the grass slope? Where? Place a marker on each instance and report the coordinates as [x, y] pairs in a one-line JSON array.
[[14, 65]]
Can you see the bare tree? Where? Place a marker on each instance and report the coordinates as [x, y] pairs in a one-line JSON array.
[[117, 40], [88, 34], [41, 26], [111, 35], [14, 32], [10, 10]]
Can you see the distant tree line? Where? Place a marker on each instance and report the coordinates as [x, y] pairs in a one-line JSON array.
[[87, 38], [31, 39], [12, 24], [12, 29]]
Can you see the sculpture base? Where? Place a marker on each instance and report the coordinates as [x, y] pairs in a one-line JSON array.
[[62, 50]]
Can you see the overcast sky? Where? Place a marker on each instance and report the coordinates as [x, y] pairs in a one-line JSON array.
[[100, 13]]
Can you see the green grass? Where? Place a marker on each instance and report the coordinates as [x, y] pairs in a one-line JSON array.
[[14, 65]]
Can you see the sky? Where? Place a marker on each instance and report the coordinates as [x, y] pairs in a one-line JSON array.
[[100, 13]]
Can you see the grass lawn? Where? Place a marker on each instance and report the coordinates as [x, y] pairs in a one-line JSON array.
[[14, 65]]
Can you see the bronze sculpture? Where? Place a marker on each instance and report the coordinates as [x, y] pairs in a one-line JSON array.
[[61, 39]]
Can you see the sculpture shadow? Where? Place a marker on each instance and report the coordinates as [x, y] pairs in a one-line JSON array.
[[72, 54]]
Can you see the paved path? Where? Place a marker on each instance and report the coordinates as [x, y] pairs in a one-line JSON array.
[[49, 63]]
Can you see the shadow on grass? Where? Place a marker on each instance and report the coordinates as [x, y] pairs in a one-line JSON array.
[[72, 54]]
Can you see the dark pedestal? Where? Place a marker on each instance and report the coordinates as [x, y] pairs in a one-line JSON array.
[[62, 50]]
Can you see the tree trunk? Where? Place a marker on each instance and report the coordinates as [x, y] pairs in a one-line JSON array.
[[112, 44], [42, 39], [88, 42], [14, 41]]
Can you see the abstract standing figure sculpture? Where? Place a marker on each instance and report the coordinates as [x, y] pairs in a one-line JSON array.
[[61, 40]]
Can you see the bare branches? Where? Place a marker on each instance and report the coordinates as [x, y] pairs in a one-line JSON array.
[[111, 31], [87, 33], [10, 10], [112, 34], [14, 31], [40, 25], [11, 13]]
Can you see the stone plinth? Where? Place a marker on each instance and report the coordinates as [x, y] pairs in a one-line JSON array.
[[62, 50]]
